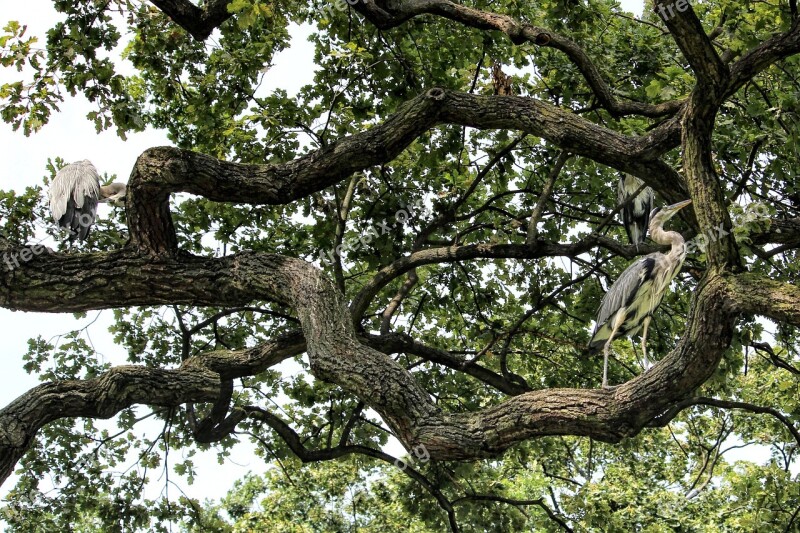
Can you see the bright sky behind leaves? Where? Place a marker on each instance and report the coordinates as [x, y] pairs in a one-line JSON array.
[[71, 136]]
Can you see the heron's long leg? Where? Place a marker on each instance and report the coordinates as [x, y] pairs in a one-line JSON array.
[[633, 347], [644, 343], [619, 319]]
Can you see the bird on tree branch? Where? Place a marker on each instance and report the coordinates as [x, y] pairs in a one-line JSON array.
[[631, 301]]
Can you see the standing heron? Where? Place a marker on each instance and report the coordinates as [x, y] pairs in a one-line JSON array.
[[636, 209], [630, 302], [74, 195]]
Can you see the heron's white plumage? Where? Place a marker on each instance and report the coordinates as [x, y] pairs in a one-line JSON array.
[[112, 192], [73, 195]]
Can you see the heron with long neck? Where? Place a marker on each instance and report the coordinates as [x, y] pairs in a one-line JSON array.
[[629, 304]]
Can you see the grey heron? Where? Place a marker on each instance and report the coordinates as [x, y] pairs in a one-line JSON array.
[[636, 209], [630, 302], [74, 195]]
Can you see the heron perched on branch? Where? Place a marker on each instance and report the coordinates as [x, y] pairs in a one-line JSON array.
[[630, 302], [636, 207], [74, 195]]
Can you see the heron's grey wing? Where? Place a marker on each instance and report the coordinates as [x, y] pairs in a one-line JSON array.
[[83, 219], [623, 291], [59, 194], [621, 294], [86, 184]]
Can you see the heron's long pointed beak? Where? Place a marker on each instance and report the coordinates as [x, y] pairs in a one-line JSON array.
[[674, 208]]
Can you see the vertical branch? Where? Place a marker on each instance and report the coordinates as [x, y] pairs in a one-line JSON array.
[[533, 232], [390, 310], [149, 219], [341, 225]]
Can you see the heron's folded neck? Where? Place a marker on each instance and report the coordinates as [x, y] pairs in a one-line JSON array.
[[672, 238]]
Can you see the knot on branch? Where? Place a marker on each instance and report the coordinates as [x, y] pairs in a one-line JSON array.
[[542, 39], [437, 93]]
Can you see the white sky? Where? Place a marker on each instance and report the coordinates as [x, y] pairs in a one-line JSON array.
[[71, 136]]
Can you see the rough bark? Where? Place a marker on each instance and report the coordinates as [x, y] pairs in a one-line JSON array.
[[337, 355], [152, 271]]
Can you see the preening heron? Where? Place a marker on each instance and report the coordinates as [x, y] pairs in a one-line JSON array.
[[636, 209], [74, 195], [630, 302]]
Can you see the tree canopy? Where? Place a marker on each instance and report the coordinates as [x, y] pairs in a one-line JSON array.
[[415, 246]]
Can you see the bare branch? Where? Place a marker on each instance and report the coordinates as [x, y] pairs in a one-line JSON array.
[[667, 416], [546, 192]]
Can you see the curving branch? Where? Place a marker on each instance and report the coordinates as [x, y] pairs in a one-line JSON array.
[[337, 355], [151, 271], [399, 342], [453, 253], [161, 171], [101, 397], [386, 15], [539, 502], [295, 443], [762, 56]]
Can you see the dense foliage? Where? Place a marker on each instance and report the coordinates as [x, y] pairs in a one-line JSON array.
[[525, 319]]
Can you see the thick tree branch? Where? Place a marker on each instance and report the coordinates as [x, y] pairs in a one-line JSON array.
[[101, 397], [754, 294], [338, 356], [199, 22], [695, 45], [161, 171]]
